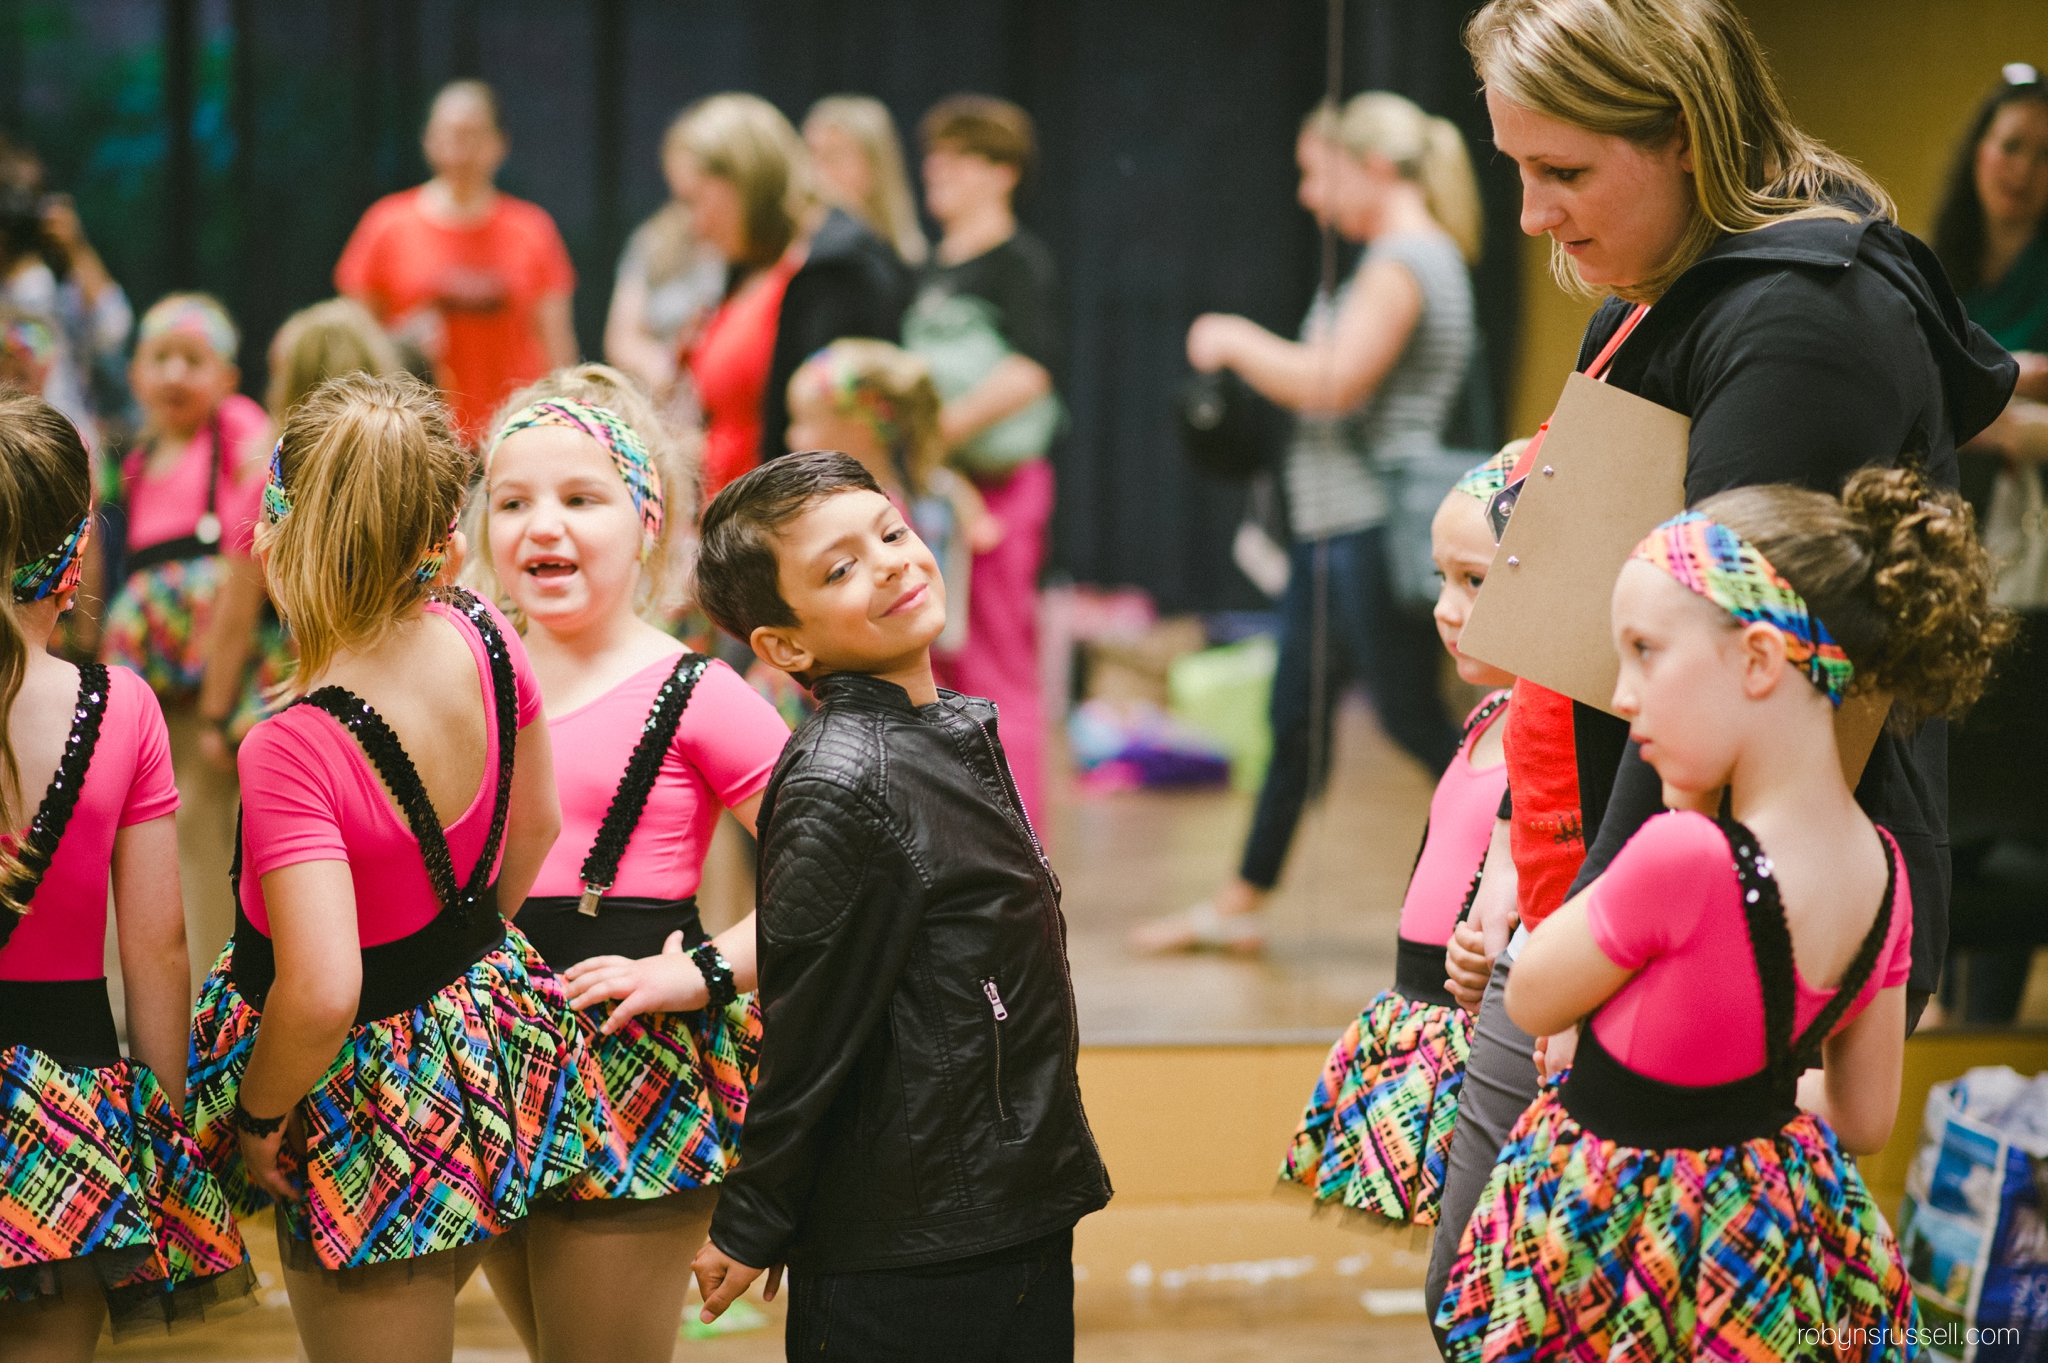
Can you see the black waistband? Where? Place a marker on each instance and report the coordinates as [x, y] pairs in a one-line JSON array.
[[1419, 972], [1617, 1104], [623, 926], [397, 976], [71, 1021], [168, 551]]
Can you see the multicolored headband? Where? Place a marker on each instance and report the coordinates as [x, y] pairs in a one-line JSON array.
[[57, 571], [846, 388], [33, 339], [277, 504], [1487, 479], [200, 318], [629, 453], [1729, 571]]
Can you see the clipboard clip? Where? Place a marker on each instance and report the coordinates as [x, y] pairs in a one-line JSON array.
[[1502, 506]]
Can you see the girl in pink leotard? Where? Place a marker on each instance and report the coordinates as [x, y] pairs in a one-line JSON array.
[[377, 1050], [1670, 1198], [580, 484], [106, 1207], [1377, 1129]]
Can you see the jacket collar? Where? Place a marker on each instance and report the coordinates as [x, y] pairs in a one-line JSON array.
[[858, 688], [1801, 241]]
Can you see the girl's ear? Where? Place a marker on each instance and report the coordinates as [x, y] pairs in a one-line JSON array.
[[458, 553], [1763, 658]]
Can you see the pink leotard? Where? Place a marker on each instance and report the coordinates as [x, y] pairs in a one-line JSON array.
[[63, 936], [309, 793], [724, 752], [1461, 818], [169, 507], [1669, 908]]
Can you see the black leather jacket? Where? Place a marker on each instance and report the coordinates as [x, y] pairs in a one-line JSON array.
[[917, 1099]]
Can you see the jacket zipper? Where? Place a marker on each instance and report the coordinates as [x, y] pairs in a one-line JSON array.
[[1066, 971], [999, 1015]]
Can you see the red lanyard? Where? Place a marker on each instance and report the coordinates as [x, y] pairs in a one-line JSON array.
[[1595, 370]]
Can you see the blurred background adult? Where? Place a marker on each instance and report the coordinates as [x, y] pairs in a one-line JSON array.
[[49, 268], [858, 159], [669, 282], [799, 275], [990, 320], [1991, 232], [1373, 376], [477, 280]]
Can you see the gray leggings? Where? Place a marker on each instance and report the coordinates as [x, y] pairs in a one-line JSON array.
[[1500, 1083]]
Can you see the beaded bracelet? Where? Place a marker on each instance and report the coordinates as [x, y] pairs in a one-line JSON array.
[[717, 973]]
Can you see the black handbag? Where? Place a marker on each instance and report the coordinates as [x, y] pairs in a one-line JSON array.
[[1228, 430]]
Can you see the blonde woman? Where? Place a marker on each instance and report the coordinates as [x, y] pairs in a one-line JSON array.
[[669, 281], [859, 163], [1372, 376], [1757, 282], [800, 275]]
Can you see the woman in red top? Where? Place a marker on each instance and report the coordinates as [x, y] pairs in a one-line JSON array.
[[478, 280]]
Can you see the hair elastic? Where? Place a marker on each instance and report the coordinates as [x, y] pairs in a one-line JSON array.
[[277, 504], [57, 571], [628, 451], [1706, 556]]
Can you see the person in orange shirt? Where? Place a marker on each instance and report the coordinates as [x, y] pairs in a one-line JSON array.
[[479, 281]]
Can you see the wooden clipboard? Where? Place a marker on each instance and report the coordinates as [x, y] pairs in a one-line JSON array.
[[1611, 468]]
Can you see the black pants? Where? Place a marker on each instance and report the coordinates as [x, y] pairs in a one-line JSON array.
[[1019, 1309]]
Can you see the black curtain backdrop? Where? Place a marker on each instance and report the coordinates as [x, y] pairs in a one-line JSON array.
[[231, 145]]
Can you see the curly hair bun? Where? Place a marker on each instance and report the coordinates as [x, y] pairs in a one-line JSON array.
[[1894, 569]]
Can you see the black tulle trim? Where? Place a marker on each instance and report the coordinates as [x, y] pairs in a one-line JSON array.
[[142, 1308], [1787, 1056], [601, 868], [46, 830]]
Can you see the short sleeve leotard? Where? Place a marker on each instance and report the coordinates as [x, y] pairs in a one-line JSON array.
[[63, 935], [310, 794], [1461, 818], [723, 753], [1670, 908]]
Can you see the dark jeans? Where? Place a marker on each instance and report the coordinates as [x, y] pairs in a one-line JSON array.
[[1017, 1309], [1367, 637]]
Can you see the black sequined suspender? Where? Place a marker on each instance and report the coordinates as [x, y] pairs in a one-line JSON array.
[[1770, 942], [601, 868], [60, 799], [394, 764]]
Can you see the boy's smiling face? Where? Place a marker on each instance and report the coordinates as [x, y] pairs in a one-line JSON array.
[[865, 591]]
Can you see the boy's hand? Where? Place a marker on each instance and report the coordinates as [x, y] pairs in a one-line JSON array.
[[1469, 965], [668, 983], [723, 1280]]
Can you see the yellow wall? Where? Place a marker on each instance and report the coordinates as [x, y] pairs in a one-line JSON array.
[[1890, 83]]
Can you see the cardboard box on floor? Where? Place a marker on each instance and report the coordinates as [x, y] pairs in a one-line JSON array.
[[1611, 468]]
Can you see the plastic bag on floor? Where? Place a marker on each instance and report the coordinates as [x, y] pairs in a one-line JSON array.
[[1225, 694], [1971, 1228]]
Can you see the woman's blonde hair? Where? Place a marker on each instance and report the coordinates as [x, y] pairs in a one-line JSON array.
[[45, 490], [665, 572], [745, 141], [891, 390], [889, 209], [317, 343], [374, 476], [1644, 70], [1429, 151]]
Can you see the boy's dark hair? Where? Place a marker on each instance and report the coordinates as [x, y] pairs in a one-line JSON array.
[[739, 580], [984, 126]]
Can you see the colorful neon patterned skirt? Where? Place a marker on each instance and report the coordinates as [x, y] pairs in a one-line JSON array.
[[95, 1166], [1377, 1132], [437, 1127], [676, 1085], [1583, 1248]]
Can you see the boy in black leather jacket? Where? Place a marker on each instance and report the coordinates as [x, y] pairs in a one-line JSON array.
[[915, 1149]]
